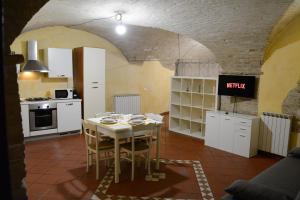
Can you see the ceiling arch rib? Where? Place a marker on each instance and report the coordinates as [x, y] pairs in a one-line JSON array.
[[235, 31]]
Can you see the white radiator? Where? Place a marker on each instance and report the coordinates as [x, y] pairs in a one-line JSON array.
[[127, 104], [274, 133]]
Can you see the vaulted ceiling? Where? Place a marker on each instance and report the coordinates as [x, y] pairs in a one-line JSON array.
[[231, 32]]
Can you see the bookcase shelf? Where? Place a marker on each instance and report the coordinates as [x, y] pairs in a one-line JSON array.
[[191, 97]]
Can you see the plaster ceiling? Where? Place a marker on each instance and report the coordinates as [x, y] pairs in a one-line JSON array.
[[234, 32]]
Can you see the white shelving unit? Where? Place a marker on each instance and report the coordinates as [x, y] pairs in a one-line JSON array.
[[191, 97]]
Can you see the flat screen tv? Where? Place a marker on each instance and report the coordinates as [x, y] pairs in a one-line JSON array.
[[239, 86]]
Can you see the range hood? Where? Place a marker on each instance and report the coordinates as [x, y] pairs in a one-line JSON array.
[[32, 64]]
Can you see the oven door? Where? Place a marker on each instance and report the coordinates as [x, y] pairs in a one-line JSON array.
[[42, 119]]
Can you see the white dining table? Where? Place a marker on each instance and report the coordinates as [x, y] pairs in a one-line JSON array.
[[122, 130]]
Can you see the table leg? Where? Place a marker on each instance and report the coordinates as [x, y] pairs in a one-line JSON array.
[[157, 147], [117, 162]]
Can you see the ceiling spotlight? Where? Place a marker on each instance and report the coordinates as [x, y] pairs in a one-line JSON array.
[[120, 29], [119, 16]]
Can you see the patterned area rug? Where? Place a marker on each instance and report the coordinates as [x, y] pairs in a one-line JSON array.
[[171, 172]]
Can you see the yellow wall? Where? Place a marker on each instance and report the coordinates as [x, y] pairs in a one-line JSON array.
[[150, 79], [281, 71]]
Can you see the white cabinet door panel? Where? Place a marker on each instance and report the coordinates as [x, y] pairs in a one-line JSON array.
[[59, 62], [94, 66], [68, 116], [25, 120], [94, 100], [242, 144], [226, 133], [212, 130]]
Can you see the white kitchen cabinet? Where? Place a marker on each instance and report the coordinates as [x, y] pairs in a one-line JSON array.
[[94, 94], [94, 66], [234, 133], [59, 62], [25, 120], [68, 116], [89, 79]]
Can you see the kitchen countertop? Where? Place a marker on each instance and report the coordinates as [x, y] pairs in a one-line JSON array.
[[50, 101]]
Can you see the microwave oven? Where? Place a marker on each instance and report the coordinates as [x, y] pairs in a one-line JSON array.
[[63, 93]]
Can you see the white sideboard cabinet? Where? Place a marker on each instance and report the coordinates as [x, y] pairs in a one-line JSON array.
[[231, 132]]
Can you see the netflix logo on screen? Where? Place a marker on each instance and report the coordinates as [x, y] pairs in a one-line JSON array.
[[239, 86], [236, 85]]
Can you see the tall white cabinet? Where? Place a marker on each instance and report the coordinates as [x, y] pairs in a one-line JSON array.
[[191, 98], [89, 79]]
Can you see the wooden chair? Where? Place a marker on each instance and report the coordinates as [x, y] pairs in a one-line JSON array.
[[139, 145], [102, 149]]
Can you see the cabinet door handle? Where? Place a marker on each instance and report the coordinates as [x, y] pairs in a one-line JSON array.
[[243, 129], [69, 104], [243, 136], [211, 116], [243, 122], [227, 119], [94, 87], [62, 75], [94, 82]]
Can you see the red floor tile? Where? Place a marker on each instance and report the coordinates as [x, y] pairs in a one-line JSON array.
[[56, 168]]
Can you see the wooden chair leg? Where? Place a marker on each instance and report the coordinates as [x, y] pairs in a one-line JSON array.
[[97, 166], [132, 166], [119, 165], [148, 162], [87, 160]]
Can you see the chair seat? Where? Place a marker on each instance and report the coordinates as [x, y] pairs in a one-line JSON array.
[[107, 138], [139, 145], [103, 145]]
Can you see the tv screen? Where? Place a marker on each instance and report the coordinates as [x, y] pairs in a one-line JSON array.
[[239, 86]]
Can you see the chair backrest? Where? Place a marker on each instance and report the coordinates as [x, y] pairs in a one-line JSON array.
[[141, 131], [90, 133]]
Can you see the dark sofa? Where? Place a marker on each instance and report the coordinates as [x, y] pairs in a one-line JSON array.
[[283, 176]]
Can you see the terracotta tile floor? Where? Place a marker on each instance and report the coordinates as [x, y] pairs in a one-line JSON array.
[[56, 167]]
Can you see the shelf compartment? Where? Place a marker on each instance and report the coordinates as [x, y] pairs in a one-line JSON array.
[[185, 126], [176, 84], [174, 123], [210, 86], [209, 102], [186, 85], [197, 115], [175, 98], [198, 85], [175, 111], [197, 100], [185, 113], [196, 130], [186, 99]]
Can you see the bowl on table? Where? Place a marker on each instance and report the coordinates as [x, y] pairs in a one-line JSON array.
[[136, 121], [108, 120]]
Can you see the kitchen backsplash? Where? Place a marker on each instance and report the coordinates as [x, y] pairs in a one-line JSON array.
[[32, 84]]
